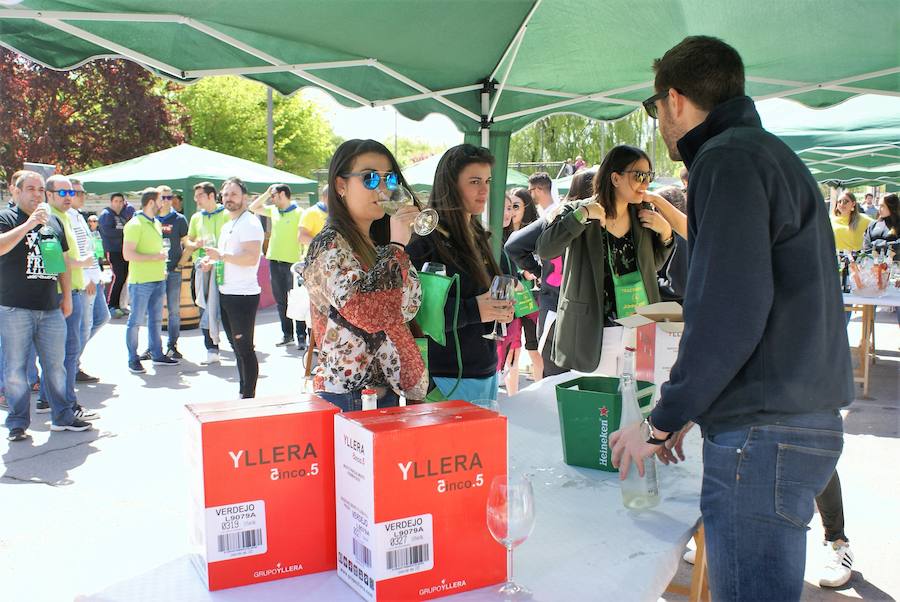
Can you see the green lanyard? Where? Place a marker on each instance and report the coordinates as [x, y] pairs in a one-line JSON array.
[[629, 288]]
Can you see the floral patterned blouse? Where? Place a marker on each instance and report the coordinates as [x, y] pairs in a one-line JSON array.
[[360, 318]]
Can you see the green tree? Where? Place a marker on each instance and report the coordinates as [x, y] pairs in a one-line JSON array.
[[228, 115], [564, 137], [408, 151]]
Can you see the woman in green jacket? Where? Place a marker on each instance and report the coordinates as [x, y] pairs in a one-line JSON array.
[[613, 248]]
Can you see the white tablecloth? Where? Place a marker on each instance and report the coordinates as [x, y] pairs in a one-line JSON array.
[[585, 544], [892, 299]]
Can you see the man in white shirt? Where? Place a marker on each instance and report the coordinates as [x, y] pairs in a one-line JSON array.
[[96, 312], [539, 185], [236, 261]]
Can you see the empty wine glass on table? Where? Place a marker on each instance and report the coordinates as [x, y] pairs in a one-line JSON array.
[[502, 289], [392, 200], [510, 519]]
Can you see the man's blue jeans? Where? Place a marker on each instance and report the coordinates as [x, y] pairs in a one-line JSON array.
[[173, 303], [45, 331], [96, 314], [759, 490], [146, 305], [352, 401], [74, 345]]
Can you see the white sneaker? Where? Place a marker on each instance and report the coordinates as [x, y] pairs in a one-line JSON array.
[[690, 556], [212, 357], [839, 567]]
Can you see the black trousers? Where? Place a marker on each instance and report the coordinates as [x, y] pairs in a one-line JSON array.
[[831, 509], [239, 319], [282, 282], [120, 275]]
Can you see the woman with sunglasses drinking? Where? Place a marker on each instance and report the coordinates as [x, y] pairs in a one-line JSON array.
[[460, 192], [362, 287], [614, 249]]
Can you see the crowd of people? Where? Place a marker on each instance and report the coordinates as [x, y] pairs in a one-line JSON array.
[[589, 260]]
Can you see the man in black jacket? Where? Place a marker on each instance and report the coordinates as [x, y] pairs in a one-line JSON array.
[[764, 363]]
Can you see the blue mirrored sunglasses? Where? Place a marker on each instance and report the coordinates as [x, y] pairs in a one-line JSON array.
[[63, 193], [371, 179]]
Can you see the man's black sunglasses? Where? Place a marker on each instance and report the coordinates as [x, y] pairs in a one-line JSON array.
[[650, 103]]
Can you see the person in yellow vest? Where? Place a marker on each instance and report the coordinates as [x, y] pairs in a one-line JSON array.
[[143, 249], [313, 219], [204, 230], [283, 252], [60, 194]]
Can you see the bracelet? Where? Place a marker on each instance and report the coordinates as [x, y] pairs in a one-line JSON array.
[[399, 244], [671, 239]]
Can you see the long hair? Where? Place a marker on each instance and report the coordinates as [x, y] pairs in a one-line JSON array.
[[854, 214], [338, 213], [616, 161], [531, 213], [471, 248], [893, 219], [582, 185]]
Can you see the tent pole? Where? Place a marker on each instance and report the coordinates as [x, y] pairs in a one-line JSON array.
[[270, 130]]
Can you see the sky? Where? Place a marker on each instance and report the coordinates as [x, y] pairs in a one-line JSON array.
[[378, 123]]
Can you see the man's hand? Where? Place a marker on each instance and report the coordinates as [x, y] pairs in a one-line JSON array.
[[38, 217], [629, 445], [673, 449], [91, 288], [66, 305], [205, 264], [212, 253]]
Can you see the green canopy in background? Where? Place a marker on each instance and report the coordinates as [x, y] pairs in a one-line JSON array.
[[856, 142], [420, 176], [183, 166], [491, 67]]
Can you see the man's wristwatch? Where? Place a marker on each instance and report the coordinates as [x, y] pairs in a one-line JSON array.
[[649, 432]]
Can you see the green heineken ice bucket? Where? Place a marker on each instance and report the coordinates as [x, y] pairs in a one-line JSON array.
[[589, 411]]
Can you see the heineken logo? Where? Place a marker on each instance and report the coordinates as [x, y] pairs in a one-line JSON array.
[[604, 411], [604, 436]]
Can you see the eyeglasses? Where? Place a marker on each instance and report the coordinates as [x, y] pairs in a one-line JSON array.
[[650, 103], [63, 193], [844, 201], [641, 176], [167, 197], [371, 179]]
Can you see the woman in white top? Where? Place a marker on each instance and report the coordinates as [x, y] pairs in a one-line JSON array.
[[239, 250]]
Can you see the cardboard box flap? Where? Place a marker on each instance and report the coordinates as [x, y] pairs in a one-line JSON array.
[[237, 409], [671, 327], [635, 321], [421, 415], [666, 311]]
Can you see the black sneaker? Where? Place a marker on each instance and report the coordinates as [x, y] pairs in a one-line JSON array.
[[284, 342], [83, 377], [165, 361], [174, 353], [17, 435], [145, 356], [77, 425], [84, 414], [136, 367], [42, 407]]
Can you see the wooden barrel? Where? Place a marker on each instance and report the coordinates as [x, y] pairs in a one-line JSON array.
[[190, 313]]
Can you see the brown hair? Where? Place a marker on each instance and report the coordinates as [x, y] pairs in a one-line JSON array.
[[471, 248], [338, 213], [854, 216], [893, 219], [705, 69], [616, 161]]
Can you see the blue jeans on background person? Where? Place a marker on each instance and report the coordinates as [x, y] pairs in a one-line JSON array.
[[96, 314], [146, 304], [74, 324], [352, 401], [173, 304], [44, 331], [758, 496], [469, 389]]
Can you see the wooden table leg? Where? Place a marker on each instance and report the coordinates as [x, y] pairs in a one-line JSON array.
[[698, 591], [866, 343]]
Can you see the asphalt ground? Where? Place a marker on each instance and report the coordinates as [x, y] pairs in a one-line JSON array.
[[86, 515]]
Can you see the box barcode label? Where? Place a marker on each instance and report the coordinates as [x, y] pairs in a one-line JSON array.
[[362, 553], [407, 557], [236, 530], [232, 542], [404, 546]]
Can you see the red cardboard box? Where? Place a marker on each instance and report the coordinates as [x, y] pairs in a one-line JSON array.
[[658, 328], [412, 486], [263, 489]]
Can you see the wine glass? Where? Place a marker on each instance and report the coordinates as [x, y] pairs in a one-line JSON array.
[[510, 519], [502, 289], [392, 200]]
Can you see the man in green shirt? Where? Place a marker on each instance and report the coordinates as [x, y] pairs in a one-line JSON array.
[[143, 249], [203, 231], [283, 252]]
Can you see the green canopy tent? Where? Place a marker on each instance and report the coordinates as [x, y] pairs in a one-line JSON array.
[[856, 142], [492, 68], [420, 176], [183, 166]]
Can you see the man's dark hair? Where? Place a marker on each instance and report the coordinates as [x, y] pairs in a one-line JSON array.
[[206, 187], [540, 178], [674, 195], [149, 194], [869, 195], [705, 69], [284, 189], [115, 194], [237, 182]]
